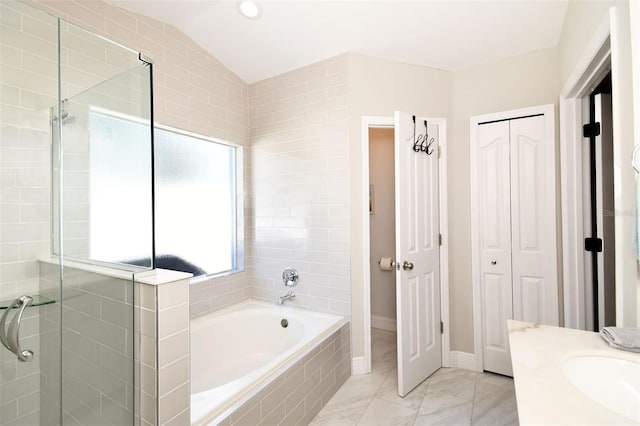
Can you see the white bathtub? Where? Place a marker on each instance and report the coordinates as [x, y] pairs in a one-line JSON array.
[[237, 351]]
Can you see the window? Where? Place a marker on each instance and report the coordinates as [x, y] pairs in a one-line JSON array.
[[198, 209], [197, 199]]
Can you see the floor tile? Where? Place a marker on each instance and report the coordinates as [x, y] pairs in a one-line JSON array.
[[389, 391], [453, 381], [494, 403], [353, 398], [331, 420], [384, 413], [443, 409], [383, 350], [451, 396]]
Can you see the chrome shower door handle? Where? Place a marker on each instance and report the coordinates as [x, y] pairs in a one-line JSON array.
[[11, 337]]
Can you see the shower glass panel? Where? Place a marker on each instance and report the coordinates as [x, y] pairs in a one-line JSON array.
[[105, 222], [75, 215], [28, 89], [106, 182]]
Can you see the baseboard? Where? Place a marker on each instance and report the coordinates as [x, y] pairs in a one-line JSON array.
[[383, 323], [358, 366], [463, 360]]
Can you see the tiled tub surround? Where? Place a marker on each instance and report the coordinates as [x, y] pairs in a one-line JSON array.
[[163, 347], [295, 372]]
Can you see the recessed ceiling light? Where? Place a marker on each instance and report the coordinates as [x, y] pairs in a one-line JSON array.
[[249, 9]]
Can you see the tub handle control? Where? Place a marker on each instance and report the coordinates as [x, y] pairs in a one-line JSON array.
[[290, 277]]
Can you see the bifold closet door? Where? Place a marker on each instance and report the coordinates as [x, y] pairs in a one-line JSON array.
[[495, 243], [533, 250], [518, 278]]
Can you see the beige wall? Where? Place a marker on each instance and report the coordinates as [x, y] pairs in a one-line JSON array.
[[522, 81], [382, 222], [581, 21], [378, 87]]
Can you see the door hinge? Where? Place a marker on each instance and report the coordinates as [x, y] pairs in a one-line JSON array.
[[440, 239], [441, 327], [591, 130], [593, 244]]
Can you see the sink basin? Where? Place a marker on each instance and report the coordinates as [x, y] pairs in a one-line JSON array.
[[611, 382]]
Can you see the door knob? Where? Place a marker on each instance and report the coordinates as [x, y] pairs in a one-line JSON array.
[[493, 262], [407, 266]]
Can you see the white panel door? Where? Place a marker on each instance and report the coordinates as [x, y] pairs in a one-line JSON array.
[[533, 250], [495, 243], [417, 252]]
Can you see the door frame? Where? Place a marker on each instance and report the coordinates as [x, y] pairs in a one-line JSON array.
[[548, 112], [607, 50], [388, 122]]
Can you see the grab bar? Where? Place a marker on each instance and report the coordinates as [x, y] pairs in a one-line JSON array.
[[10, 337]]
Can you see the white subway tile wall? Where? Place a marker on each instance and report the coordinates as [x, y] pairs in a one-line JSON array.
[[296, 171], [27, 45], [97, 347], [49, 355], [298, 166], [163, 312], [192, 91]]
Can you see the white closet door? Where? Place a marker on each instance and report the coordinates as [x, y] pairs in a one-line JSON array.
[[532, 222], [495, 243]]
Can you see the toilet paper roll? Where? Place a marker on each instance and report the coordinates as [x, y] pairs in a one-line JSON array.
[[386, 264]]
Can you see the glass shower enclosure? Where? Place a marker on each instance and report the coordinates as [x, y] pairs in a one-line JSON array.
[[75, 217]]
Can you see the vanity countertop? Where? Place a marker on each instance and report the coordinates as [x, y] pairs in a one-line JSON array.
[[543, 393]]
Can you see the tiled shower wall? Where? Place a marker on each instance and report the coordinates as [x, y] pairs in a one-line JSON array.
[[27, 40], [97, 348], [192, 91], [299, 196]]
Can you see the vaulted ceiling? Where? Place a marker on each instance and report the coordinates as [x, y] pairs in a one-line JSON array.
[[292, 33]]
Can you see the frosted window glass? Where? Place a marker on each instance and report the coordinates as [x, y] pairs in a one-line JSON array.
[[120, 190], [195, 204]]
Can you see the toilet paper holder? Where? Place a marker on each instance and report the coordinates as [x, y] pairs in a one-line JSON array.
[[387, 264]]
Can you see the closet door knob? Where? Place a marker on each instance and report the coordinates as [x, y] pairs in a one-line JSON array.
[[407, 266], [493, 262]]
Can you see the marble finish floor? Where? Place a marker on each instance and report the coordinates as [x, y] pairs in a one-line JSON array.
[[451, 396]]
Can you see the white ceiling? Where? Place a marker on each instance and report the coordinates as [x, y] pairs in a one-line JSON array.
[[292, 33]]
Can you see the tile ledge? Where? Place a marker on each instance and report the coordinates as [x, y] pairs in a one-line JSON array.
[[161, 276], [141, 275]]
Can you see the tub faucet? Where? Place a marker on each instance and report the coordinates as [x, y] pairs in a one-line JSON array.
[[289, 296]]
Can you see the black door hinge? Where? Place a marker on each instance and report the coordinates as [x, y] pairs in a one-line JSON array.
[[593, 244], [441, 327], [591, 130]]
